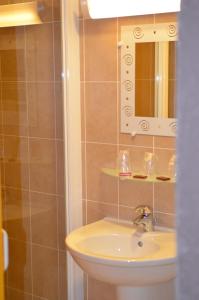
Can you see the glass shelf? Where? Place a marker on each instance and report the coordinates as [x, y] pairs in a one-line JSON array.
[[115, 173]]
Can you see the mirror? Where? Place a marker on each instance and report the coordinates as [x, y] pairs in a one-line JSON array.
[[155, 79], [148, 79]]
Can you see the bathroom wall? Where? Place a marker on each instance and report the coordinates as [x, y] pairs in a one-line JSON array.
[[101, 138], [32, 161]]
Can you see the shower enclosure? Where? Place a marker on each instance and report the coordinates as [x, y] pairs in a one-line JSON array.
[[32, 157], [40, 152]]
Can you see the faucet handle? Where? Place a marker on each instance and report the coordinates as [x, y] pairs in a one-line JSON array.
[[144, 210]]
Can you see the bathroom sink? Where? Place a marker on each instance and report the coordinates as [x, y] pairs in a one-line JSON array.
[[118, 254], [117, 245]]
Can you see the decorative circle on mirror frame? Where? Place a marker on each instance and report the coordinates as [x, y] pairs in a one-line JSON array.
[[128, 59], [144, 125], [172, 30], [138, 33], [173, 127], [128, 110], [128, 85]]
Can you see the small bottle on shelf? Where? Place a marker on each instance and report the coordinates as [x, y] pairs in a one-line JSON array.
[[149, 164], [124, 165]]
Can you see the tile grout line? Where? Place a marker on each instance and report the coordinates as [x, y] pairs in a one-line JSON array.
[[126, 206], [25, 293], [32, 191], [89, 142], [27, 103], [56, 155], [36, 244], [32, 137], [85, 119]]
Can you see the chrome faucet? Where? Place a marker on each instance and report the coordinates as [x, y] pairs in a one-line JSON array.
[[145, 220]]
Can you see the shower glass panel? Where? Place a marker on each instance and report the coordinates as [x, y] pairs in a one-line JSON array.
[[32, 158]]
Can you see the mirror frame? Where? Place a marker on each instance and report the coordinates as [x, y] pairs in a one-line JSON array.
[[129, 36]]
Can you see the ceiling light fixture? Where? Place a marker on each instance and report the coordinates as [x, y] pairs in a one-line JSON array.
[[19, 14], [99, 9]]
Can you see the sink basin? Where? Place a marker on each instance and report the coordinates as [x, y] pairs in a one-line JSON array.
[[116, 253], [117, 245]]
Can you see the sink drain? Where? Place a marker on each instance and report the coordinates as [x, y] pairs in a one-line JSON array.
[[140, 244]]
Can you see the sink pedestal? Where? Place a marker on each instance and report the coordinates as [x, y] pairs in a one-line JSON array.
[[163, 291]]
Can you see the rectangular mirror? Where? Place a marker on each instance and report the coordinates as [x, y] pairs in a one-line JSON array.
[[148, 79]]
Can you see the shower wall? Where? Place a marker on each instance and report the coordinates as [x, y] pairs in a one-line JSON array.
[[32, 158]]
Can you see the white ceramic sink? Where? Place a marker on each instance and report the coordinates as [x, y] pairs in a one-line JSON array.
[[115, 253], [118, 245]]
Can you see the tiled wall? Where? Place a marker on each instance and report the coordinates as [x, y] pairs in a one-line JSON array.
[[101, 138], [32, 160]]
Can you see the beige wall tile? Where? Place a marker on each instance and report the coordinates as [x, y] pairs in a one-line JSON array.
[[12, 66], [63, 289], [164, 142], [164, 197], [17, 208], [14, 107], [15, 148], [42, 165], [164, 18], [1, 160], [85, 286], [163, 158], [165, 220], [39, 48], [41, 109], [62, 230], [82, 53], [45, 272], [127, 213], [1, 111], [101, 187], [13, 294], [44, 219], [16, 175], [101, 50], [84, 183], [84, 211], [138, 140], [134, 193], [100, 291], [97, 211], [12, 54], [56, 10], [57, 51], [16, 162], [59, 110], [101, 112], [60, 160], [19, 271], [83, 113]]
